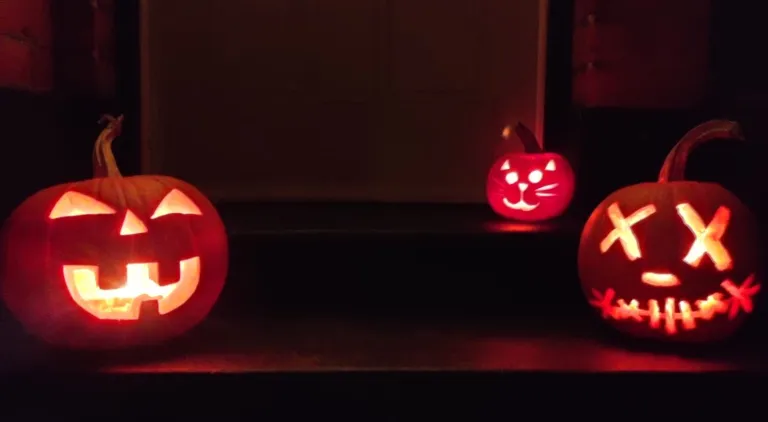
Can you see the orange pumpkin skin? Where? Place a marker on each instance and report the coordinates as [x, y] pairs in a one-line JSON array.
[[646, 271], [113, 227]]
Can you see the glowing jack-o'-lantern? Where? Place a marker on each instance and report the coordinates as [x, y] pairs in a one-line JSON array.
[[674, 259], [530, 186], [113, 261]]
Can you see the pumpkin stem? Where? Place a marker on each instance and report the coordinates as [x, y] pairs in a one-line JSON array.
[[527, 138], [104, 164], [674, 165]]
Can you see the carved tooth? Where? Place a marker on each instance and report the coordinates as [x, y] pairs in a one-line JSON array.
[[669, 316], [653, 309], [689, 322]]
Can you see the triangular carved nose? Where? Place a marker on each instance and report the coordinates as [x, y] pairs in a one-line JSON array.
[[132, 225]]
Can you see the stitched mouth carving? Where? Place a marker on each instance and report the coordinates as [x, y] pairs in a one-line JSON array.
[[738, 299]]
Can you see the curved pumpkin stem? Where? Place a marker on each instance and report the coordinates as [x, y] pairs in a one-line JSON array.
[[527, 138], [674, 165], [104, 164]]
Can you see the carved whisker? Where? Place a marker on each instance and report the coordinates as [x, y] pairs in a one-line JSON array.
[[544, 194], [547, 187]]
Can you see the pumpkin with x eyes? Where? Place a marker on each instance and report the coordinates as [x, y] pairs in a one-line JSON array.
[[676, 259], [113, 261], [530, 186]]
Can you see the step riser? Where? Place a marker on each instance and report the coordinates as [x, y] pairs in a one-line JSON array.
[[498, 274]]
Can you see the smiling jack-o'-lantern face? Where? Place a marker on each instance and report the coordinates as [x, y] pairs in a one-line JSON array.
[[675, 260], [530, 186], [113, 261], [141, 282]]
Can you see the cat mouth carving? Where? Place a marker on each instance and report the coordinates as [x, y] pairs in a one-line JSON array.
[[520, 205]]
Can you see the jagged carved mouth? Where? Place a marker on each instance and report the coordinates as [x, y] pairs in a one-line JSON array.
[[520, 205], [124, 303], [671, 312]]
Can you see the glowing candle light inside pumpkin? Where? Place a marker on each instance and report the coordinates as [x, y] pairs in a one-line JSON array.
[[65, 292], [530, 186], [675, 259]]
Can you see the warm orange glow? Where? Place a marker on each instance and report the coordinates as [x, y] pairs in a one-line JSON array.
[[132, 225], [742, 295], [707, 237], [674, 311], [73, 204], [124, 303], [550, 166], [175, 202], [660, 279], [623, 230]]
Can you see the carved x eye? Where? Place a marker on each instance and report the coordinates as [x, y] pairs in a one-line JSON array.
[[708, 237], [622, 230]]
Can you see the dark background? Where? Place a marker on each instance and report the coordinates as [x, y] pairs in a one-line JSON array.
[[53, 133], [431, 261]]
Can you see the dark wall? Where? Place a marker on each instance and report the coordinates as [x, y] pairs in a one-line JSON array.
[[48, 138], [619, 147], [384, 100]]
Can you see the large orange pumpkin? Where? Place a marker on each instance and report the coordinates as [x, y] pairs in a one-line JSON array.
[[113, 261], [674, 259]]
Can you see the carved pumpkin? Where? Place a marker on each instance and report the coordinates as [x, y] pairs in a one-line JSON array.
[[113, 261], [530, 186], [674, 259]]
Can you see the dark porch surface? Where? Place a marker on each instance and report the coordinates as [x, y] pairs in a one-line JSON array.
[[345, 287]]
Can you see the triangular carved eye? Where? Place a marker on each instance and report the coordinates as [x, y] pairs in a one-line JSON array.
[[175, 202], [505, 166], [73, 204]]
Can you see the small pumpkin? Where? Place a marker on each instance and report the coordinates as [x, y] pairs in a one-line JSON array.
[[531, 186], [113, 261], [675, 259]]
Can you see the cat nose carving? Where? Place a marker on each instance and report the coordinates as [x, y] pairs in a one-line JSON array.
[[523, 186]]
